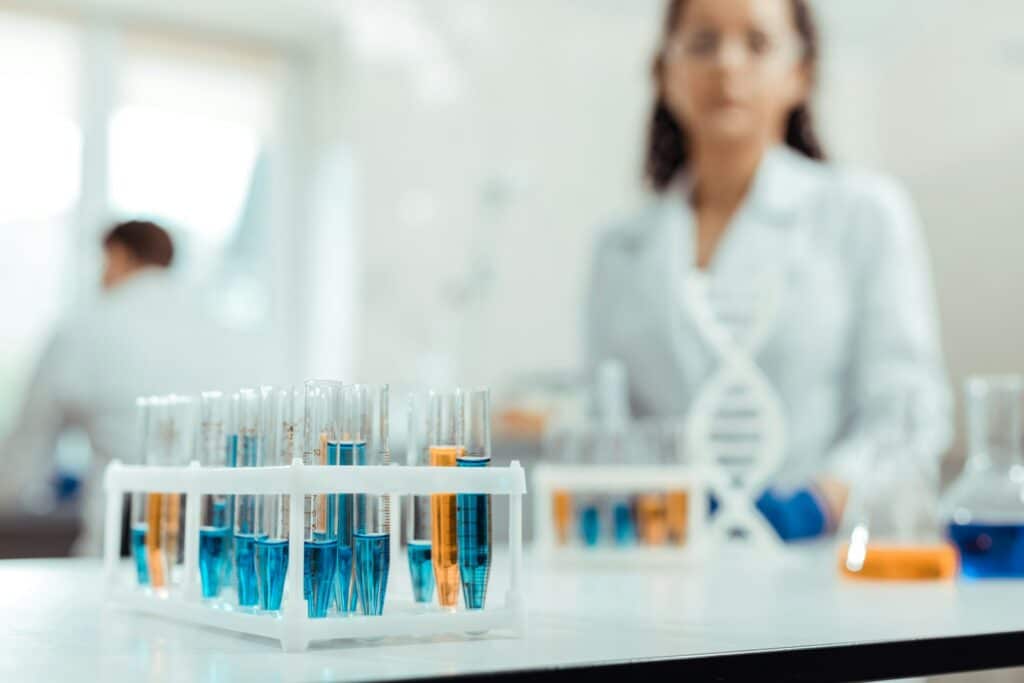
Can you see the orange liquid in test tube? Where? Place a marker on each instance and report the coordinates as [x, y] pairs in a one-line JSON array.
[[444, 530], [676, 508], [155, 556], [651, 518], [561, 505], [938, 561]]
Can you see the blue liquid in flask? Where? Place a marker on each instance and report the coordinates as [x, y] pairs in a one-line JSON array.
[[271, 567], [421, 571], [989, 550], [625, 529], [590, 524], [373, 560], [139, 552], [213, 551], [245, 566], [474, 524], [319, 575]]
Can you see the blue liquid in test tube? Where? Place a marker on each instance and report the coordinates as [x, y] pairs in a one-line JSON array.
[[625, 529], [346, 453], [474, 524], [213, 552], [321, 559], [373, 560], [139, 552], [590, 524], [421, 570], [271, 567]]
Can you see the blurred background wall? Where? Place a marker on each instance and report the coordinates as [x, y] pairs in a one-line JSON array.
[[409, 190]]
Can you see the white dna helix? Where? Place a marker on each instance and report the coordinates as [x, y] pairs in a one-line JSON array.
[[736, 425]]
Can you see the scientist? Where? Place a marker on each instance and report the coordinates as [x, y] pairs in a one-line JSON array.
[[742, 189], [146, 334]]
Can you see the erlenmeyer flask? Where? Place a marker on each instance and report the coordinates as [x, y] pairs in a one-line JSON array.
[[983, 508], [891, 527]]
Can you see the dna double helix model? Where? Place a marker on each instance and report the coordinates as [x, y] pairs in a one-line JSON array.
[[736, 424]]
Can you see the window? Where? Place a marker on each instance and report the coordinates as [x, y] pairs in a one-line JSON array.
[[40, 180]]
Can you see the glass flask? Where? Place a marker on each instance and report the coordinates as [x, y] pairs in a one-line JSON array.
[[890, 528], [983, 509]]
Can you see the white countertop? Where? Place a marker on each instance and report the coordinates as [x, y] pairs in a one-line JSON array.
[[54, 626]]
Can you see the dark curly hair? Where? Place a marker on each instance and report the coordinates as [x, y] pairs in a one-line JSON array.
[[668, 147]]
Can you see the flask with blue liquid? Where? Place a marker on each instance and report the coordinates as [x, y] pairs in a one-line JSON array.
[[983, 508]]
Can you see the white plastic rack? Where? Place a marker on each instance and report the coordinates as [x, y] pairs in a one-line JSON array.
[[618, 479], [291, 625]]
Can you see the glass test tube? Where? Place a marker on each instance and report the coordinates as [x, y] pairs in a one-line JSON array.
[[168, 426], [372, 536], [138, 524], [589, 504], [323, 399], [558, 448], [281, 415], [677, 501], [346, 449], [215, 522], [651, 506], [417, 519], [250, 454], [474, 510], [446, 445]]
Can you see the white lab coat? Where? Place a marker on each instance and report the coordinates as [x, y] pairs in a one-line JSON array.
[[856, 330], [146, 336]]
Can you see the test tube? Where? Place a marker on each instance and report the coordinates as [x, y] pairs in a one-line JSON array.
[[417, 520], [474, 510], [215, 529], [677, 501], [373, 513], [250, 454], [320, 547], [589, 504], [138, 526], [346, 449], [168, 426], [281, 416], [446, 445], [649, 437]]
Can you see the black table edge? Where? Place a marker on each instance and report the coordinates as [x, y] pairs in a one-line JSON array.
[[832, 663]]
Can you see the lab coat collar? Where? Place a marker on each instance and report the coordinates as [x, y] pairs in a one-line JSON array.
[[782, 179]]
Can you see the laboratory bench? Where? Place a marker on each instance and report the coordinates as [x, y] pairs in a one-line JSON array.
[[738, 616]]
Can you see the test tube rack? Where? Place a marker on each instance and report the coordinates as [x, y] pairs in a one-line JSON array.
[[291, 625], [618, 479]]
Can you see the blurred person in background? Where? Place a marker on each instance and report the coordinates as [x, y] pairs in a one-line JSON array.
[[145, 334], [742, 186]]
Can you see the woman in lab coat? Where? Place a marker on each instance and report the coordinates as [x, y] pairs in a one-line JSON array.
[[743, 196]]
